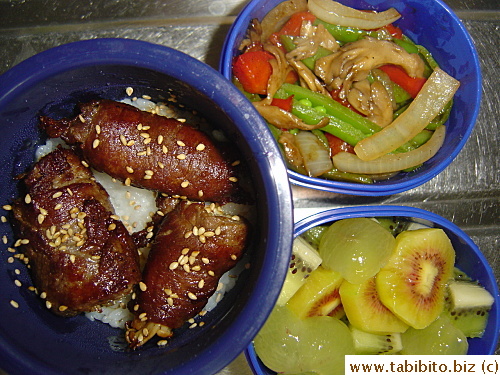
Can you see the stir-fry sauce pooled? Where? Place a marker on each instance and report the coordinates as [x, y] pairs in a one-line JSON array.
[[193, 248], [327, 77], [80, 255], [149, 151]]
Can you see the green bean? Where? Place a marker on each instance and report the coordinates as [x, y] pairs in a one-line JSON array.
[[333, 108], [337, 175], [345, 34]]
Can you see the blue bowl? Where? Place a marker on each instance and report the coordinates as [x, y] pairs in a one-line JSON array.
[[468, 258], [430, 23], [33, 340]]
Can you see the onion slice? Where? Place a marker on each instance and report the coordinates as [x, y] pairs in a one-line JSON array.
[[348, 162], [434, 95], [338, 14], [315, 156]]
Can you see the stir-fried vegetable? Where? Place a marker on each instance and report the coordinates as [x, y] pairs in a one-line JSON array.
[[346, 93], [437, 91]]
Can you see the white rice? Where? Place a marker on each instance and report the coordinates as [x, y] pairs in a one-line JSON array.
[[135, 208]]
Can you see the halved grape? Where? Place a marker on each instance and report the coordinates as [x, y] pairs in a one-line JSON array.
[[440, 337], [357, 248], [290, 345]]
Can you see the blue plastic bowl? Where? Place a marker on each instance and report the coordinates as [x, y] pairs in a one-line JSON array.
[[468, 258], [33, 340], [430, 23]]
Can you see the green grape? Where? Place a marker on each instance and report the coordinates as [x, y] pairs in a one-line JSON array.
[[440, 337], [290, 345], [357, 248]]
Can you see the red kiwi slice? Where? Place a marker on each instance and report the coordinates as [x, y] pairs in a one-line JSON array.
[[365, 311], [319, 295], [413, 282]]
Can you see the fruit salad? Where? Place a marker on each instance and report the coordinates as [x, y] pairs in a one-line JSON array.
[[371, 286]]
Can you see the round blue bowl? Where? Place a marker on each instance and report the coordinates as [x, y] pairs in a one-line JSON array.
[[468, 258], [33, 340], [430, 23]]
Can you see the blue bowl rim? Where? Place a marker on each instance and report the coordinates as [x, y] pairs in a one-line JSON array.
[[110, 51], [335, 214], [225, 67]]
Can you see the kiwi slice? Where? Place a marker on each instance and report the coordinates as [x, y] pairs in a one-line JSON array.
[[413, 282], [468, 305], [439, 337], [319, 295], [372, 344], [365, 311], [304, 260]]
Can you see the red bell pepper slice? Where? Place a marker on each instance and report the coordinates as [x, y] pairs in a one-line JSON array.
[[398, 75], [284, 104], [252, 69], [292, 26], [337, 145], [395, 31]]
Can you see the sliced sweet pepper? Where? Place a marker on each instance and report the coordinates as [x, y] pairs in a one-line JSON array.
[[398, 75], [284, 104], [292, 26], [252, 69]]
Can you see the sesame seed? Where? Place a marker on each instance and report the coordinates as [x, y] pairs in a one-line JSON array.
[[58, 206], [63, 308], [188, 234], [164, 149], [141, 153], [233, 257], [123, 140], [129, 91], [98, 129], [57, 195], [136, 307], [14, 304], [143, 286], [112, 226], [144, 135], [18, 283], [233, 179], [129, 169], [235, 217], [160, 139], [211, 273], [201, 283], [200, 193], [17, 271], [180, 143], [85, 164], [200, 147], [181, 156], [48, 304], [186, 267], [142, 315], [95, 143], [127, 181], [205, 260], [27, 199], [5, 239], [170, 301], [3, 219], [130, 143], [195, 268], [162, 343], [185, 184], [7, 207], [161, 165], [25, 241], [194, 325], [192, 296]]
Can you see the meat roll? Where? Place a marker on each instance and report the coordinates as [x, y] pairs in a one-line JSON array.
[[193, 248], [80, 256], [149, 151]]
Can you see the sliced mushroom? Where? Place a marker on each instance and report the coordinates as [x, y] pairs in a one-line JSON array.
[[372, 100], [353, 62]]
